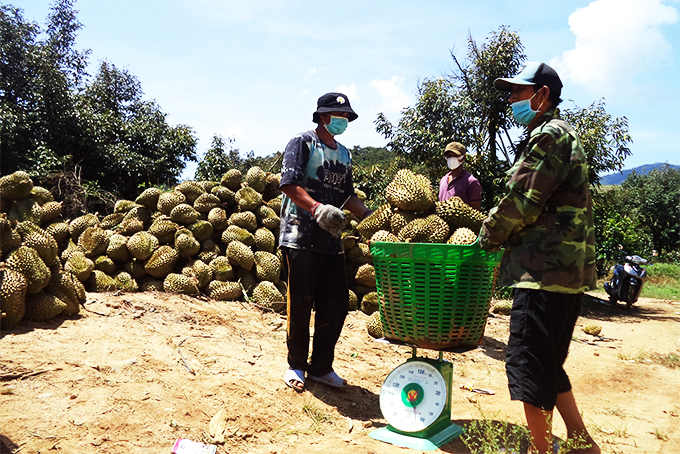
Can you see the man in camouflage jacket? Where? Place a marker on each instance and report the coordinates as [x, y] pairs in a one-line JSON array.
[[545, 226]]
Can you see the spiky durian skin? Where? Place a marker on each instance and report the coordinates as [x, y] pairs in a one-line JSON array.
[[12, 297]]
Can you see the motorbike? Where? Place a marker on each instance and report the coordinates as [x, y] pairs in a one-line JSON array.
[[627, 280]]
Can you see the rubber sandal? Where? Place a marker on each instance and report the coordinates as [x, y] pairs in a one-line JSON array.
[[295, 379], [330, 379]]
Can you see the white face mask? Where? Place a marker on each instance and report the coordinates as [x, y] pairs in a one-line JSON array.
[[454, 162]]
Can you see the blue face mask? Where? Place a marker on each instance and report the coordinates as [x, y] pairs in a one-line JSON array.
[[523, 112], [337, 125]]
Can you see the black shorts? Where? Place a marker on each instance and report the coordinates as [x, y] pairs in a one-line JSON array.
[[541, 327]]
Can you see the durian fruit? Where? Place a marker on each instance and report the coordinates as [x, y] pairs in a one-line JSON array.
[[353, 301], [70, 248], [206, 202], [79, 224], [218, 218], [41, 195], [117, 249], [407, 191], [236, 233], [384, 236], [26, 210], [224, 290], [38, 239], [123, 206], [93, 241], [99, 282], [112, 220], [374, 325], [256, 178], [15, 186], [593, 329], [359, 254], [164, 230], [161, 262], [457, 213], [141, 245], [26, 261], [232, 179], [222, 269], [462, 235], [247, 280], [151, 285], [201, 271], [264, 240], [139, 213], [169, 200], [9, 237], [191, 190], [105, 264], [201, 230], [267, 217], [370, 303], [149, 198], [185, 244], [65, 286], [503, 307], [130, 226], [438, 229], [248, 199], [184, 214], [245, 219], [12, 296], [267, 266], [51, 212], [240, 254], [179, 283], [275, 204], [207, 185], [267, 295], [59, 231], [431, 229], [80, 265], [378, 220], [273, 182], [227, 196], [400, 218], [365, 276], [43, 306], [134, 268], [124, 282], [209, 251]]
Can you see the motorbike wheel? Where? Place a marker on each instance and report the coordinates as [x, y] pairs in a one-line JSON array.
[[631, 294]]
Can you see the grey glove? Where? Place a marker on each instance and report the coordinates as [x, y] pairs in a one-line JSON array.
[[329, 218]]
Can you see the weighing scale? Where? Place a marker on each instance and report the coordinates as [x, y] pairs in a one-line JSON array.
[[415, 401]]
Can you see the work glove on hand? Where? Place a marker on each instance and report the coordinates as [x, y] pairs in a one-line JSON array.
[[329, 218]]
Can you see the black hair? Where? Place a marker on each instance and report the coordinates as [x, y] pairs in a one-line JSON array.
[[553, 97]]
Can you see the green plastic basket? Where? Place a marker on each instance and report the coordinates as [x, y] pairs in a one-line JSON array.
[[434, 296]]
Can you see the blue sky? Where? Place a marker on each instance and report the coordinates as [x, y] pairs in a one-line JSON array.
[[253, 70]]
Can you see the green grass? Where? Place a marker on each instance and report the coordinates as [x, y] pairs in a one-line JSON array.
[[670, 360], [663, 282]]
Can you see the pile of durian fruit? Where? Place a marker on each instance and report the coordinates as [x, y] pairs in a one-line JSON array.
[[215, 238], [413, 215], [219, 239]]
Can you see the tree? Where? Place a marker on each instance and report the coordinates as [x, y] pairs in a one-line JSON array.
[[654, 200], [222, 156], [464, 106]]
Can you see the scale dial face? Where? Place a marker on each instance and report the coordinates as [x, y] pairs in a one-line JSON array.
[[413, 396]]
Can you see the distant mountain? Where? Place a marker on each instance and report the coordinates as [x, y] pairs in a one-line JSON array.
[[619, 177]]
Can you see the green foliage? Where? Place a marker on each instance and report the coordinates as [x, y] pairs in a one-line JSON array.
[[55, 119], [369, 156], [654, 199], [605, 140], [222, 156]]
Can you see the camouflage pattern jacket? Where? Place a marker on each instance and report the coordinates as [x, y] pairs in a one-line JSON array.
[[545, 222]]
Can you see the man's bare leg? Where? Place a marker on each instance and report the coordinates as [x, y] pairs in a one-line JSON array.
[[539, 422], [566, 406]]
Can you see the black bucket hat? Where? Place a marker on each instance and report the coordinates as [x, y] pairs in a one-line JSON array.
[[333, 102]]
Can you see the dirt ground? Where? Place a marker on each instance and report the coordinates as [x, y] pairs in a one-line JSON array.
[[135, 372]]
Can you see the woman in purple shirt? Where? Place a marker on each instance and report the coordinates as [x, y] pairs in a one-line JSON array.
[[459, 182]]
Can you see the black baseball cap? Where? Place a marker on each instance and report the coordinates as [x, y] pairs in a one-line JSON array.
[[534, 73], [333, 102]]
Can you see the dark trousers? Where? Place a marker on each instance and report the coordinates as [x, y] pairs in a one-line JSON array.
[[315, 280]]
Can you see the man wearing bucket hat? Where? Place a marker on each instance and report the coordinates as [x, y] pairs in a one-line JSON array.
[[459, 182], [316, 179], [545, 224]]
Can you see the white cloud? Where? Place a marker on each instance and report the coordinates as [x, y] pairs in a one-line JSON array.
[[312, 74], [393, 99], [350, 92], [616, 39]]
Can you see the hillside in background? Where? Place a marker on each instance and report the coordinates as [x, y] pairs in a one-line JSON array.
[[619, 177]]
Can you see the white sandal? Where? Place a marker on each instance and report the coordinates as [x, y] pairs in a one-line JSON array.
[[295, 379]]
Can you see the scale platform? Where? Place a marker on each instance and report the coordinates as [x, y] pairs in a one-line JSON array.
[[415, 401]]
